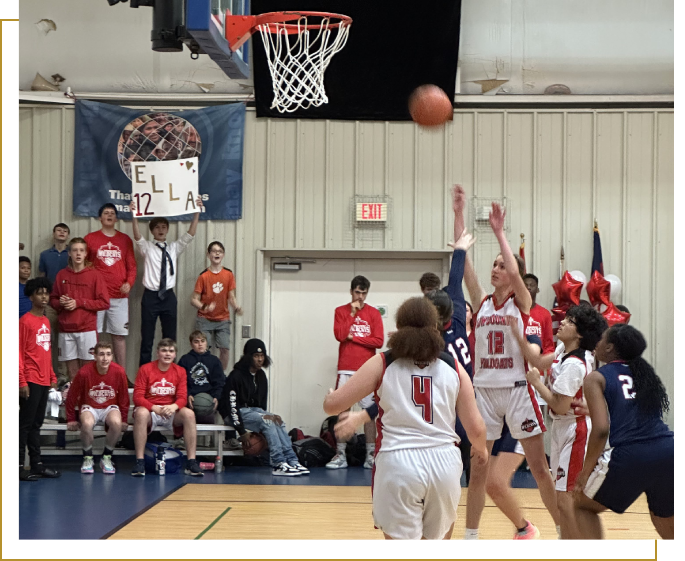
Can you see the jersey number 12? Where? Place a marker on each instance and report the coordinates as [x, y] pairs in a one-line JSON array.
[[422, 396]]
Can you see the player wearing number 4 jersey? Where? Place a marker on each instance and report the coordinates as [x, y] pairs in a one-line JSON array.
[[500, 378], [419, 390], [626, 401]]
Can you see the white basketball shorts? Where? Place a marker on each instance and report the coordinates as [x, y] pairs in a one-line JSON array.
[[416, 492], [344, 377], [77, 345], [518, 405], [569, 443], [100, 415], [114, 320], [157, 421]]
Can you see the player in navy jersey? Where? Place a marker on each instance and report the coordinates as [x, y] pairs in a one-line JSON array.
[[419, 390], [626, 402]]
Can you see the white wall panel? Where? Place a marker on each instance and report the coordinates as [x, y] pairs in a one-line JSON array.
[[558, 169]]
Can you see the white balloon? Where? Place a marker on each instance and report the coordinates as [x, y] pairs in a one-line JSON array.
[[615, 292], [579, 276]]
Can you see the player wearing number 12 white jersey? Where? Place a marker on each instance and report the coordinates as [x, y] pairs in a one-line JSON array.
[[419, 390]]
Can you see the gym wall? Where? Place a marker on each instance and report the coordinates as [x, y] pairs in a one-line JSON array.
[[558, 169]]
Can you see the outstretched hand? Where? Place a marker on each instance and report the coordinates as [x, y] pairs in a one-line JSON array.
[[458, 198], [464, 242], [497, 216]]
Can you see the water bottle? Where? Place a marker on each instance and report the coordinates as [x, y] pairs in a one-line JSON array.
[[160, 463], [219, 464]]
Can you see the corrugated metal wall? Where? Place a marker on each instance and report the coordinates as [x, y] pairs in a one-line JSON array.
[[558, 170]]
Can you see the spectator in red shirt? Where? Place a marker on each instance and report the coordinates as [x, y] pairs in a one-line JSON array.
[[78, 294], [160, 395], [540, 314], [359, 329], [100, 392], [36, 376], [111, 253]]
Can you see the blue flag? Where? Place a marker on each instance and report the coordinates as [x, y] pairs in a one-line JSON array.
[[597, 263], [110, 138]]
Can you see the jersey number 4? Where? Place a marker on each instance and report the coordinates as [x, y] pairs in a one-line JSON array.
[[422, 396], [628, 391], [463, 349]]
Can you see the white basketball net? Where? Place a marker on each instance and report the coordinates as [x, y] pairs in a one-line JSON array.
[[297, 61]]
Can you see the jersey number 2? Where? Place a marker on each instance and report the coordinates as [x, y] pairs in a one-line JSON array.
[[628, 391], [422, 396]]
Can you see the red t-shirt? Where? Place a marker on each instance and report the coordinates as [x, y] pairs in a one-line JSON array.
[[89, 387], [154, 387], [366, 328], [35, 356], [544, 318], [114, 258], [215, 287]]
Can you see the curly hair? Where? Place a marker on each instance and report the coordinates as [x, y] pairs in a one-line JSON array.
[[429, 281], [629, 344], [590, 325], [417, 337]]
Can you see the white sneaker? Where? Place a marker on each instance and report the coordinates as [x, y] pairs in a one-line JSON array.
[[285, 469], [87, 465], [107, 466], [339, 461], [368, 463], [300, 468]]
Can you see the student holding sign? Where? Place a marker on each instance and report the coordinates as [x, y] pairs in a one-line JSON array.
[[159, 278]]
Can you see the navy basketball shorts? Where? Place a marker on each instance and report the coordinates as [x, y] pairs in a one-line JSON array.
[[507, 443], [623, 473]]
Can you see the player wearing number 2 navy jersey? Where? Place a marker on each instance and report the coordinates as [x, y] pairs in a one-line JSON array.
[[626, 402], [419, 390]]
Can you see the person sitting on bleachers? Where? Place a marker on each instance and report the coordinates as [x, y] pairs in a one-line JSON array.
[[243, 403], [204, 373], [160, 395], [100, 391]]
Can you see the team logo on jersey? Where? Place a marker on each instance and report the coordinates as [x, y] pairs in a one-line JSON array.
[[199, 374], [360, 328], [109, 254], [217, 287], [560, 473], [528, 425], [163, 387], [534, 328], [101, 393], [43, 338]]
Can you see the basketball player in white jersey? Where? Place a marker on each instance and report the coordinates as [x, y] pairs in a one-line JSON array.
[[419, 390], [502, 391], [572, 361]]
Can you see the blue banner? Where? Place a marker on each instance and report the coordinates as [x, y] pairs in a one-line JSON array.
[[109, 138]]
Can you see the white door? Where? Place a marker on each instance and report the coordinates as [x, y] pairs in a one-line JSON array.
[[303, 348]]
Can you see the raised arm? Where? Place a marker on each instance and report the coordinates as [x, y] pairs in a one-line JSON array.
[[458, 205], [523, 299], [476, 291], [196, 217], [134, 221], [363, 382]]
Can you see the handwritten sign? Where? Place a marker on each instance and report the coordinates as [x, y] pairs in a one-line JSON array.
[[168, 188]]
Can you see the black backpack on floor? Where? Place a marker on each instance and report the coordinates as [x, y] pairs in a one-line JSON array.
[[313, 452]]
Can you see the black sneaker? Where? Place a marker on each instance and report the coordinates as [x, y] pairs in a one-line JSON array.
[[300, 468], [193, 468], [139, 469], [39, 470], [26, 475], [286, 470]]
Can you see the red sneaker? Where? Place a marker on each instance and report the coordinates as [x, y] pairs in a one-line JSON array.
[[530, 532]]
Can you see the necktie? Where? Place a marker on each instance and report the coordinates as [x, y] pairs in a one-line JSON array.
[[162, 277]]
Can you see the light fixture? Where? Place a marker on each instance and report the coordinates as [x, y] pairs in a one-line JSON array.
[[290, 266]]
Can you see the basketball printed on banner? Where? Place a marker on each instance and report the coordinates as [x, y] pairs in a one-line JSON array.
[[430, 106]]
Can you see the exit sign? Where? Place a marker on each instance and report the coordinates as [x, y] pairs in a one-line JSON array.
[[372, 212]]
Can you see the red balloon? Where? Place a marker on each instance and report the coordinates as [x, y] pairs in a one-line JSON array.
[[613, 315], [567, 290], [599, 290]]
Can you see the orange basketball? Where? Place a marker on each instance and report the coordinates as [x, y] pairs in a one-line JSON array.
[[429, 106]]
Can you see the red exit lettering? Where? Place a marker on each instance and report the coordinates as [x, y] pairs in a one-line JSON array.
[[371, 211]]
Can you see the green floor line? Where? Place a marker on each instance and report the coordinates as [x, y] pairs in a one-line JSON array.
[[208, 528]]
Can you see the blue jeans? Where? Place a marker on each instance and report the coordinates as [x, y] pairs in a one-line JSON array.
[[280, 446]]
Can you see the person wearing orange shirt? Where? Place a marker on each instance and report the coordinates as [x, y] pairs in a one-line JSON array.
[[214, 291]]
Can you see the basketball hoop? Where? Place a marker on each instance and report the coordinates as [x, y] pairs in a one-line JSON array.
[[298, 53]]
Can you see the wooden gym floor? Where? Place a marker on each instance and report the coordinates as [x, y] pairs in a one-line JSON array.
[[220, 512]]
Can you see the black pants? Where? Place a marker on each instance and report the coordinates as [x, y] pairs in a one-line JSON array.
[[153, 307], [31, 415]]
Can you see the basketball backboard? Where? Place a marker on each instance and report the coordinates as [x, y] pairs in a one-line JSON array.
[[205, 22]]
